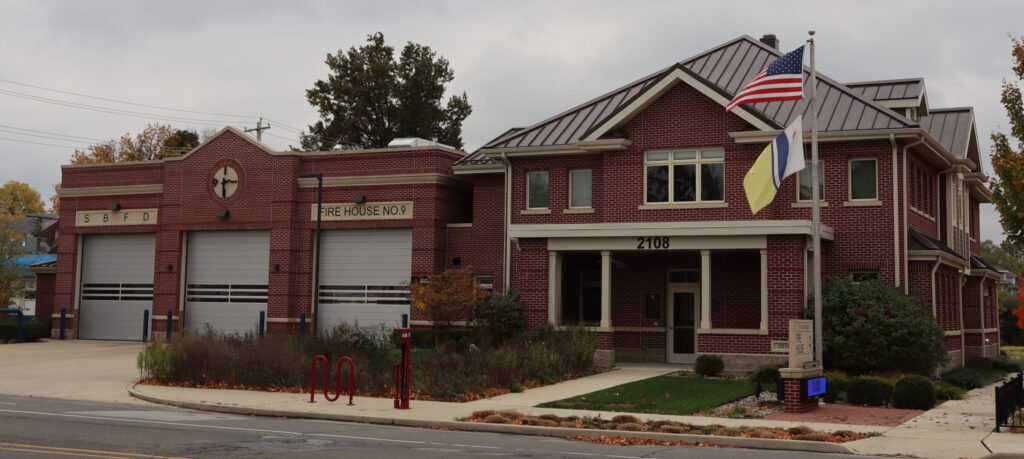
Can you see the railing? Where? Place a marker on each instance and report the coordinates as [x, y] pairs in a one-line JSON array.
[[1010, 403], [327, 379]]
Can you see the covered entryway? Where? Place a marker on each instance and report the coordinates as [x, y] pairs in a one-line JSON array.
[[227, 274], [683, 317], [117, 285], [363, 276]]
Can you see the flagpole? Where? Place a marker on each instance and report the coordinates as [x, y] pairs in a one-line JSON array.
[[815, 206]]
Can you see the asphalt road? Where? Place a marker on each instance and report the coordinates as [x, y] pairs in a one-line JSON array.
[[39, 427]]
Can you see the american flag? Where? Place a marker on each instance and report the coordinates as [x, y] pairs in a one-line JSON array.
[[781, 80]]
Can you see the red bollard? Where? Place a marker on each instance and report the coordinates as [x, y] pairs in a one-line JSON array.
[[403, 370]]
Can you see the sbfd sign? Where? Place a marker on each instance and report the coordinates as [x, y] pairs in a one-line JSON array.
[[115, 217], [367, 211]]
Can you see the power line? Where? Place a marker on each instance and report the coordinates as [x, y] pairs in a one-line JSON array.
[[126, 102], [40, 143], [53, 133]]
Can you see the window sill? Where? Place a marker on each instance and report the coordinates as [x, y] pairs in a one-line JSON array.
[[863, 203], [684, 205], [732, 331], [919, 212], [579, 210], [535, 211], [807, 204]]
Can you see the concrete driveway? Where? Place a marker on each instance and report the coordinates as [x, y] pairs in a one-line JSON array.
[[73, 369]]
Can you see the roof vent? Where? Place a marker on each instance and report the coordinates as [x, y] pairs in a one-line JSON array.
[[771, 40], [414, 142]]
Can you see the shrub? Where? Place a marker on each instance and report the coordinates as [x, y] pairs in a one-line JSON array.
[[865, 390], [709, 365], [499, 317], [496, 419], [630, 427], [1004, 363], [835, 382], [914, 392], [979, 363], [946, 391], [671, 429], [32, 330], [816, 436], [625, 418], [800, 430], [971, 378], [869, 327], [765, 374]]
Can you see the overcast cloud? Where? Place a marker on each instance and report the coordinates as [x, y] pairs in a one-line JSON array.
[[519, 61]]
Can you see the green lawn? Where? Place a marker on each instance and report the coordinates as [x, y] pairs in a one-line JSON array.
[[1014, 352], [668, 394]]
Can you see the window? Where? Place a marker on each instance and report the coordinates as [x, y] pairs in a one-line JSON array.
[[685, 175], [485, 282], [863, 179], [803, 191], [863, 275], [580, 188], [537, 190]]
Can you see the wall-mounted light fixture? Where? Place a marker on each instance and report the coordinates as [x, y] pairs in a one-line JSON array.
[[170, 268], [456, 261], [277, 268], [114, 207], [223, 213], [359, 199]]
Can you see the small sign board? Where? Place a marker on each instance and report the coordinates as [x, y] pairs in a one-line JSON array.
[[398, 210], [815, 386], [801, 342], [121, 217]]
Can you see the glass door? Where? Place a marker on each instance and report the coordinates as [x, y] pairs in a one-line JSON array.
[[683, 310]]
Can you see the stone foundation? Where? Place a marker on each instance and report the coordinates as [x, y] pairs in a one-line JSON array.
[[637, 355], [990, 351], [604, 358], [745, 363]]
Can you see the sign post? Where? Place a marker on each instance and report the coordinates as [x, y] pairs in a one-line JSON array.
[[802, 381]]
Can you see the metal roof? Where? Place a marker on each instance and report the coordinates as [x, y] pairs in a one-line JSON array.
[[903, 88], [952, 127], [980, 263], [725, 69], [921, 241]]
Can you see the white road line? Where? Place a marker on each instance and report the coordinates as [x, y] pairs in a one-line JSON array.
[[7, 403], [476, 446], [182, 424], [373, 438]]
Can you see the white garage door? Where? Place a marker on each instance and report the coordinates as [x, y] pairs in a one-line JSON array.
[[117, 285], [363, 276], [226, 286]]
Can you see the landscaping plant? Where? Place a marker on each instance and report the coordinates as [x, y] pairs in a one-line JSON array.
[[869, 327], [709, 365], [446, 297], [914, 392], [499, 317], [865, 390]]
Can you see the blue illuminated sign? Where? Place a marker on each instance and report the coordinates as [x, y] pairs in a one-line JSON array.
[[816, 386]]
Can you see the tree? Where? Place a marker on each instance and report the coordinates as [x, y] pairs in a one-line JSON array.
[[11, 286], [55, 199], [369, 98], [156, 141], [1007, 162], [446, 297], [18, 199]]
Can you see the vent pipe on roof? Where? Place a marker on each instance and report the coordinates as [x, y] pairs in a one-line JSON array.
[[771, 40]]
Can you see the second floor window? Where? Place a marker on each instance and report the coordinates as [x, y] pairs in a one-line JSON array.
[[694, 175], [537, 190], [863, 179], [580, 188], [804, 189]]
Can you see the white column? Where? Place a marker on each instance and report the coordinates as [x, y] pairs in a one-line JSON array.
[[554, 288], [705, 289], [606, 289], [764, 290]]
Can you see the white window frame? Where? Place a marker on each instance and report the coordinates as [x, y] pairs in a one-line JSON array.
[[849, 178], [569, 204], [528, 177], [821, 176], [671, 162], [489, 286]]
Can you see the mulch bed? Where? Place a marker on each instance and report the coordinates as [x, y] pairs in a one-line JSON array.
[[633, 424], [492, 392], [842, 413]]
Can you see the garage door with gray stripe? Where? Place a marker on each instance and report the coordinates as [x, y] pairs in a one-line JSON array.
[[363, 273], [117, 285], [226, 280]]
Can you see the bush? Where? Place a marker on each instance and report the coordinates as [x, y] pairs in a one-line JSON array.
[[972, 378], [835, 382], [499, 318], [33, 330], [709, 365], [865, 390], [429, 338], [765, 374], [946, 391], [914, 392], [979, 363], [870, 327], [1004, 363]]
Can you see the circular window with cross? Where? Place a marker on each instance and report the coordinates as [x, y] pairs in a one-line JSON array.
[[225, 181]]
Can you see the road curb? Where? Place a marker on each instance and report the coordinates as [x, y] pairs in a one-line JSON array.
[[561, 432]]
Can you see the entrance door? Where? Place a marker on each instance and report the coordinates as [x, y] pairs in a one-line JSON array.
[[683, 312]]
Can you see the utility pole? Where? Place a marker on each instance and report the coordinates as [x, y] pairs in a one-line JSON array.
[[259, 129]]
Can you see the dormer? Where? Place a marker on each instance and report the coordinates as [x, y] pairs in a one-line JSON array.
[[905, 96]]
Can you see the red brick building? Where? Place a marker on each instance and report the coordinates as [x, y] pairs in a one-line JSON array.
[[625, 214]]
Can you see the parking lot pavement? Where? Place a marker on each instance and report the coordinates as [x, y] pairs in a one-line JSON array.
[[73, 369]]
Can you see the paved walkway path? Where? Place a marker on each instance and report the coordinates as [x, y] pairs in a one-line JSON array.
[[73, 369]]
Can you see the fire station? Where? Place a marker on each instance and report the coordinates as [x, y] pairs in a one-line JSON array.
[[624, 214]]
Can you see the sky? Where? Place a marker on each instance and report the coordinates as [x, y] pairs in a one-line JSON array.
[[518, 61]]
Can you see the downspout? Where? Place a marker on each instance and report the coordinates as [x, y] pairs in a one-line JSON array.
[[935, 310], [895, 214], [507, 278], [906, 228], [963, 339]]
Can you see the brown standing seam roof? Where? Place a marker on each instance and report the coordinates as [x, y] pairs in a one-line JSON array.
[[951, 127], [725, 69], [903, 88]]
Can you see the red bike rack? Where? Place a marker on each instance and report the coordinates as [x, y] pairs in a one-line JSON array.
[[327, 377]]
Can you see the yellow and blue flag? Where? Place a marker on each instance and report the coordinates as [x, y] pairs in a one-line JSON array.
[[782, 158]]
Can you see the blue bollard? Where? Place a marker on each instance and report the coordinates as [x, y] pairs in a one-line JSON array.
[[63, 315], [21, 329], [145, 325], [302, 324], [170, 324], [263, 322]]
